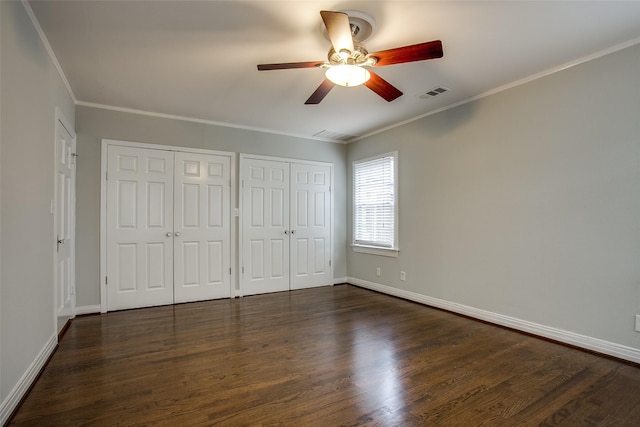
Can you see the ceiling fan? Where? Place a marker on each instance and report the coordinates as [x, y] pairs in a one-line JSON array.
[[348, 59]]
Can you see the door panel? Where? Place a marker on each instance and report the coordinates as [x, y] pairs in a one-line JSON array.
[[265, 201], [256, 260], [310, 226], [202, 230], [139, 227], [215, 267], [65, 207], [156, 256]]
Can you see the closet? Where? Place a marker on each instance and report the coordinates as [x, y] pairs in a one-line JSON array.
[[168, 231], [285, 233]]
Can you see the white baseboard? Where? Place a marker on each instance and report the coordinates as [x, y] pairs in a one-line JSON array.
[[88, 309], [339, 280], [20, 389], [582, 341]]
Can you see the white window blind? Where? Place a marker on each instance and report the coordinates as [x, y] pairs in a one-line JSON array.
[[375, 201]]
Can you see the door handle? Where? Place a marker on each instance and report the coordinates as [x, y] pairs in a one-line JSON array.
[[286, 231], [168, 234], [293, 231], [177, 234], [58, 243]]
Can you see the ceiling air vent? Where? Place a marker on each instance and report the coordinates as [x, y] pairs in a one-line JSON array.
[[335, 136], [434, 92]]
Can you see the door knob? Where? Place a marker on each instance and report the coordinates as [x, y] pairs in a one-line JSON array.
[[286, 231], [168, 234], [177, 234], [293, 231]]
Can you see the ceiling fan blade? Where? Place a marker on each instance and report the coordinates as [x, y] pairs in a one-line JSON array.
[[288, 65], [320, 93], [382, 87], [339, 30], [416, 52]]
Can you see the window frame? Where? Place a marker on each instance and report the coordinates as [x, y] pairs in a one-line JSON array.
[[375, 249]]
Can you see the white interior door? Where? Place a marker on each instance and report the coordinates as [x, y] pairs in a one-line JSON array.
[[65, 225], [202, 229], [139, 227], [265, 222], [310, 224]]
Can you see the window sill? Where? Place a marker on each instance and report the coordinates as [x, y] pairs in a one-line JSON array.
[[376, 250]]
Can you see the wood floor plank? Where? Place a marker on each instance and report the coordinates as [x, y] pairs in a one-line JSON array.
[[328, 356]]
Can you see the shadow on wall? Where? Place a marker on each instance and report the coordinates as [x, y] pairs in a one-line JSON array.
[[448, 120]]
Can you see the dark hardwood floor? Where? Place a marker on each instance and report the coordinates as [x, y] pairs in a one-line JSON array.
[[320, 357]]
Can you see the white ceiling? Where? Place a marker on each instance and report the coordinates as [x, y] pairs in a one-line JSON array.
[[198, 59]]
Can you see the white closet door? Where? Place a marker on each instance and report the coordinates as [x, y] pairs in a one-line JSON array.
[[139, 227], [202, 229], [65, 225], [265, 205], [310, 224]]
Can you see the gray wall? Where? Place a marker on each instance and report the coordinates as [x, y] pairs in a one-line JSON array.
[[30, 91], [94, 124], [525, 203]]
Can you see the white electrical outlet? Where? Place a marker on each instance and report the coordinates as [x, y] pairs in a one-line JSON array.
[[637, 322], [403, 276], [378, 272]]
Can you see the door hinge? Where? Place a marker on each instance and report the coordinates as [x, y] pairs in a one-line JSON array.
[[106, 280], [329, 263], [329, 189], [106, 176], [243, 270], [229, 271], [74, 157]]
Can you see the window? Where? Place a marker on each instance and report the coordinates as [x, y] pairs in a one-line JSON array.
[[374, 205]]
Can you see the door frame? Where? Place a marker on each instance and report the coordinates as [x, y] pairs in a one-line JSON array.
[[66, 124], [103, 205], [243, 157]]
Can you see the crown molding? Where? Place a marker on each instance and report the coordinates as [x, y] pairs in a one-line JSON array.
[[202, 121], [507, 86], [48, 47]]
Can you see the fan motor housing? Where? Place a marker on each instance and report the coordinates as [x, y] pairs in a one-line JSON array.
[[359, 57]]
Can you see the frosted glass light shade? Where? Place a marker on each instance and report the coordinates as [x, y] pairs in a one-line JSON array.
[[348, 75]]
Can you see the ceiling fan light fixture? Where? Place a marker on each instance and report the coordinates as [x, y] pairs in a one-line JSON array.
[[348, 75], [344, 54], [348, 60]]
